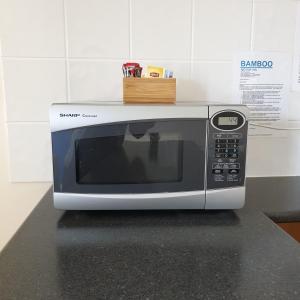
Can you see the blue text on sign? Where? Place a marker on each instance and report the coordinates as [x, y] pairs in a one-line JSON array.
[[265, 64]]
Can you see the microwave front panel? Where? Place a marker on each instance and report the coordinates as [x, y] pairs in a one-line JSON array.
[[149, 156], [227, 142]]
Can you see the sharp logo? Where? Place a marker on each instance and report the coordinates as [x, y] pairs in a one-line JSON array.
[[69, 115]]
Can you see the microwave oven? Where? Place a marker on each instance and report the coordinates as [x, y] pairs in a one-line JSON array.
[[128, 156]]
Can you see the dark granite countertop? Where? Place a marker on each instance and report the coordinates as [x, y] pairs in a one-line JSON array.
[[150, 255]]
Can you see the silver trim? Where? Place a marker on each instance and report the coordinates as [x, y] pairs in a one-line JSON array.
[[231, 198], [178, 200], [206, 158], [79, 115], [227, 110], [243, 109]]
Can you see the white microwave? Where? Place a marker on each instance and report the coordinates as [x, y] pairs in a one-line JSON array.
[[125, 156]]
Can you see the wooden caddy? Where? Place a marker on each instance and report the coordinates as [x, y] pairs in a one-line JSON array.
[[149, 90]]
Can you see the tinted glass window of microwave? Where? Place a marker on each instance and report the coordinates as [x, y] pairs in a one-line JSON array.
[[140, 155], [169, 157]]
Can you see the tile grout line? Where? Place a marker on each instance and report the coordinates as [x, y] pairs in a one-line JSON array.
[[130, 27], [192, 39], [99, 59], [5, 120], [202, 61], [2, 84], [27, 122], [60, 58], [67, 66], [252, 26], [32, 58]]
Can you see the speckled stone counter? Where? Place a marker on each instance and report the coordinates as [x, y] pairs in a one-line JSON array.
[[149, 255]]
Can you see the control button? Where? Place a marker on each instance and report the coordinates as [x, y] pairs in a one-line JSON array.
[[219, 178], [233, 145], [233, 178], [221, 150], [217, 171], [217, 165], [218, 135], [220, 145], [233, 155], [233, 171], [237, 135], [233, 141], [234, 166], [221, 141], [224, 155], [220, 165], [232, 151]]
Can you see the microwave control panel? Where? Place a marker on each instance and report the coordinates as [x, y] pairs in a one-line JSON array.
[[226, 157]]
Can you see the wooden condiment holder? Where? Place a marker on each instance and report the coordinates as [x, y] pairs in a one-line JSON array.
[[149, 90]]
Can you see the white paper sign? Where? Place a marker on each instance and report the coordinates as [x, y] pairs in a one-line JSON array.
[[296, 73], [296, 64], [261, 82]]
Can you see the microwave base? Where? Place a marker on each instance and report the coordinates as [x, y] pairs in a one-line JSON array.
[[233, 198]]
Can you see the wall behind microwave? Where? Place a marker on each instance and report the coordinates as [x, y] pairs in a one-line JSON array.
[[72, 50]]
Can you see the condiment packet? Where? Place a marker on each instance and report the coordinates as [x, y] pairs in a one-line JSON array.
[[168, 74], [131, 69], [155, 72]]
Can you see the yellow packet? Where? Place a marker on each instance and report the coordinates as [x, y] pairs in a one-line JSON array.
[[155, 72]]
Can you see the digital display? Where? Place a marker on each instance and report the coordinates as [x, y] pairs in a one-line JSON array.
[[227, 121]]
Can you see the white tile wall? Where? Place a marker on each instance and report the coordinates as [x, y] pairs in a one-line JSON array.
[[161, 29], [33, 28], [98, 28], [212, 81], [274, 157], [30, 152], [72, 50], [294, 105], [274, 25], [28, 97], [221, 28], [95, 80]]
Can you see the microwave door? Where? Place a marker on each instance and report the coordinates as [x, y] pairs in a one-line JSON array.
[[134, 164]]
